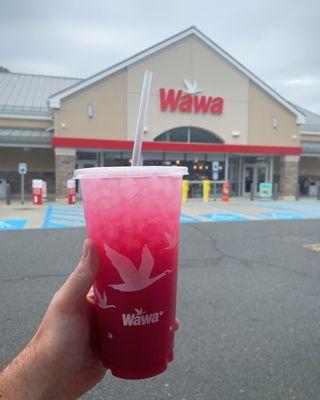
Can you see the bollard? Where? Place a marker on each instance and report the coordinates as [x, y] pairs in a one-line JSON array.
[[318, 191], [296, 191], [8, 194], [206, 191], [214, 191], [252, 191], [275, 191], [185, 190]]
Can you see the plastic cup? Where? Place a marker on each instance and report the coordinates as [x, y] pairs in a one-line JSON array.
[[132, 215]]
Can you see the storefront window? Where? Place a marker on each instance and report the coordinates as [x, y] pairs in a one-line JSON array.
[[116, 158], [233, 174], [87, 155], [188, 135]]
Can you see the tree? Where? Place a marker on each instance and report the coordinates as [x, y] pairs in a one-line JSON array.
[[3, 69]]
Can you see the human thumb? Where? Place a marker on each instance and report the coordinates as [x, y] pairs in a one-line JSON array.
[[73, 294]]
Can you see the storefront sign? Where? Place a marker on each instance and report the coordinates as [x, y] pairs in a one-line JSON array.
[[188, 101], [265, 190]]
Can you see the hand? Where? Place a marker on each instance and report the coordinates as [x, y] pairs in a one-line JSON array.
[[60, 361]]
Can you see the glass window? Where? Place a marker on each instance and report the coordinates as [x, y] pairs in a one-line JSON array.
[[179, 135], [201, 136], [188, 134], [87, 155]]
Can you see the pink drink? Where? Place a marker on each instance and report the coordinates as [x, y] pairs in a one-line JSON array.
[[132, 214]]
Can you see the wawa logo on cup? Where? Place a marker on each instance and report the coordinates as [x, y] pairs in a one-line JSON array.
[[140, 318]]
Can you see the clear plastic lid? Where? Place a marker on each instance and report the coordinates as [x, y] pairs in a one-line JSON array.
[[128, 172]]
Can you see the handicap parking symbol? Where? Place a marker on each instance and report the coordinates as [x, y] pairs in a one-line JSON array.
[[12, 224], [224, 217]]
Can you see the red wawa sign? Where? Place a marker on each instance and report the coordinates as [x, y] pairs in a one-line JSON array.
[[188, 101]]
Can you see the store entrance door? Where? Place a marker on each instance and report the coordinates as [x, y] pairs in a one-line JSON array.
[[254, 174]]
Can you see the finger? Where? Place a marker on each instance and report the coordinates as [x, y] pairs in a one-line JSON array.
[[90, 298], [74, 292], [177, 324], [91, 292]]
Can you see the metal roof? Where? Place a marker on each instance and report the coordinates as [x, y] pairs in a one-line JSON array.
[[27, 94], [17, 137], [312, 121]]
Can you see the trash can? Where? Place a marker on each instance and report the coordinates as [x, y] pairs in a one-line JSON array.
[[37, 186], [3, 190], [312, 189], [71, 184]]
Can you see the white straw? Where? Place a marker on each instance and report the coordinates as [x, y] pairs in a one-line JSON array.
[[142, 113]]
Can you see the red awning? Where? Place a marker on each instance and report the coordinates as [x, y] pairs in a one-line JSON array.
[[175, 147]]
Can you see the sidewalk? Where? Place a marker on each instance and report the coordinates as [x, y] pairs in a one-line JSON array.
[[60, 215]]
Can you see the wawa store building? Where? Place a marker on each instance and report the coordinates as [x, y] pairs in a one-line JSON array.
[[204, 107]]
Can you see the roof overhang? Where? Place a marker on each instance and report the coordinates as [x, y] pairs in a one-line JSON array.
[[174, 147], [26, 116], [310, 149], [20, 137], [55, 100], [310, 133]]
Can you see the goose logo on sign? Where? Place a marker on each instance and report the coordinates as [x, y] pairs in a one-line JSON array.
[[188, 101]]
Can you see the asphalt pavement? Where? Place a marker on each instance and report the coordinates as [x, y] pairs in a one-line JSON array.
[[249, 305]]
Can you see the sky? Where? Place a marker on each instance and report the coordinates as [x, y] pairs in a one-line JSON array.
[[278, 40]]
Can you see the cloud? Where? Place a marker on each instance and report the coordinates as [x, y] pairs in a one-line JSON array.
[[78, 38], [303, 81]]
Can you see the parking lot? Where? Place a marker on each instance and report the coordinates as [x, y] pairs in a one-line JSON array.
[[60, 215], [248, 303]]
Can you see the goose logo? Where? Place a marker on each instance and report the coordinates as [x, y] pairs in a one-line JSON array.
[[101, 299], [133, 279], [140, 318], [191, 88]]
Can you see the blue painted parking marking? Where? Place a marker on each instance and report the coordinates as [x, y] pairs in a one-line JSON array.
[[224, 217], [277, 215], [64, 217], [238, 213], [12, 224], [306, 209], [184, 219]]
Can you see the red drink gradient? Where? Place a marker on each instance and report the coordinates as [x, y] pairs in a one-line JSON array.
[[134, 222]]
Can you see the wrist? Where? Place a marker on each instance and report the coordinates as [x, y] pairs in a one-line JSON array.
[[25, 378]]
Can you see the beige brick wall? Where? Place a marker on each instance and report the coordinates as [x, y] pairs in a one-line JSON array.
[[109, 99], [262, 109], [289, 172], [65, 165]]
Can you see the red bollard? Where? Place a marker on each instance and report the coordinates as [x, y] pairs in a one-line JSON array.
[[226, 191], [71, 191], [37, 186]]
